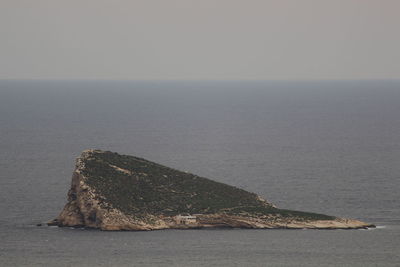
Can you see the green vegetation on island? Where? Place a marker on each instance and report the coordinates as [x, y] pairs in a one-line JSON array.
[[138, 187]]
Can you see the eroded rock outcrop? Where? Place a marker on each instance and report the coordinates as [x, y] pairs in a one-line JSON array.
[[118, 192]]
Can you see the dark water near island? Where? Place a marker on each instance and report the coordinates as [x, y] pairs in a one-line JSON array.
[[327, 147]]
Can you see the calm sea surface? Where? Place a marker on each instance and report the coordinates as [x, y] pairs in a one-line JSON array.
[[327, 147]]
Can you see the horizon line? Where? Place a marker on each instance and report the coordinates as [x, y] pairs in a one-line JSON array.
[[196, 80]]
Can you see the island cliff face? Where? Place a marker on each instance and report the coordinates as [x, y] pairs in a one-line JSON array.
[[118, 192]]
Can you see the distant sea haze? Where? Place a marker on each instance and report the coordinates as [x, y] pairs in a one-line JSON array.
[[326, 147]]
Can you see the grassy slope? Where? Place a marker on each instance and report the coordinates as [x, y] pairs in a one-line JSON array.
[[156, 189]]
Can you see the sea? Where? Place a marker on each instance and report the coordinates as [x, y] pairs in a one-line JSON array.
[[329, 147]]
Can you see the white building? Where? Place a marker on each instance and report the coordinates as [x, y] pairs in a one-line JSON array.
[[183, 219]]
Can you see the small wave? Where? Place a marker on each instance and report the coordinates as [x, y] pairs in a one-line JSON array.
[[374, 228]]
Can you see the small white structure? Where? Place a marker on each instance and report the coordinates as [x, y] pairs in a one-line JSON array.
[[183, 219]]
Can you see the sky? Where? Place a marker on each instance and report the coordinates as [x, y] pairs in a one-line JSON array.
[[200, 39]]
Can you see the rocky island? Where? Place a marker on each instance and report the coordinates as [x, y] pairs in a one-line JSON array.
[[110, 191]]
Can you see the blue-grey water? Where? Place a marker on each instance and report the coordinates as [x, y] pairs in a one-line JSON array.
[[327, 147]]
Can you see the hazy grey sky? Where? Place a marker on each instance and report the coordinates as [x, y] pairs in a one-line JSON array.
[[200, 39]]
